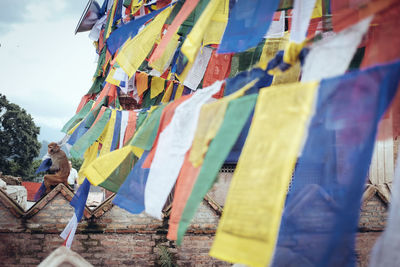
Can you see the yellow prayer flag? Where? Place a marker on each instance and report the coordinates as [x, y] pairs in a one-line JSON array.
[[292, 51], [102, 167], [110, 77], [317, 12], [138, 151], [248, 230], [136, 5], [210, 120], [135, 51], [108, 133], [193, 41], [271, 47], [89, 156], [217, 26], [157, 86], [168, 93], [179, 91], [112, 15]]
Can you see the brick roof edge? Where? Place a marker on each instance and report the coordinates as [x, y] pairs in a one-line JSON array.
[[11, 205]]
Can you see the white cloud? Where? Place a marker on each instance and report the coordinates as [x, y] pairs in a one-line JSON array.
[[45, 68]]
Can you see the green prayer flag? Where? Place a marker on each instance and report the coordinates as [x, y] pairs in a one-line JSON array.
[[148, 102], [145, 136], [237, 113], [127, 3], [191, 20], [97, 85], [78, 117], [118, 176], [141, 118], [90, 136]]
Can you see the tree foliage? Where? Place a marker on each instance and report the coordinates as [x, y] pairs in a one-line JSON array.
[[18, 139], [76, 163]]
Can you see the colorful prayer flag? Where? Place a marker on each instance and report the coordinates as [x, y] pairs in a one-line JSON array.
[[249, 226]]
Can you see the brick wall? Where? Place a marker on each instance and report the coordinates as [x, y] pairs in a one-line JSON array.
[[107, 236]]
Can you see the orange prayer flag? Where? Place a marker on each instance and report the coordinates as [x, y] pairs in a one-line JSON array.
[[130, 127], [141, 82], [103, 94], [184, 185]]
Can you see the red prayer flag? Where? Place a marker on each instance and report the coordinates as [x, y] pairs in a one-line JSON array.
[[383, 44], [346, 13]]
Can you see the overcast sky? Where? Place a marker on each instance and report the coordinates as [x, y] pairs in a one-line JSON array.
[[44, 67]]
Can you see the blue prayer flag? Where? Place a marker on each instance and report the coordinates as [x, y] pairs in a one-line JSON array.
[[129, 30], [117, 129], [79, 203], [248, 22], [131, 193], [320, 219]]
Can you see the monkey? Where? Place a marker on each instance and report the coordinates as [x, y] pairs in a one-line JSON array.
[[59, 169]]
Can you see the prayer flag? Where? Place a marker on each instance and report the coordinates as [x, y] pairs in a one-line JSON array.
[[249, 226], [346, 13], [78, 202], [108, 133], [147, 133], [302, 11], [162, 63], [173, 144], [131, 127], [142, 82], [90, 155], [157, 86], [217, 25], [165, 120], [124, 125], [91, 135], [196, 73], [211, 117], [183, 13], [128, 31], [248, 22], [235, 117], [134, 51], [383, 44], [168, 92], [331, 56], [323, 205], [78, 116], [218, 68], [192, 43], [183, 187], [130, 196]]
